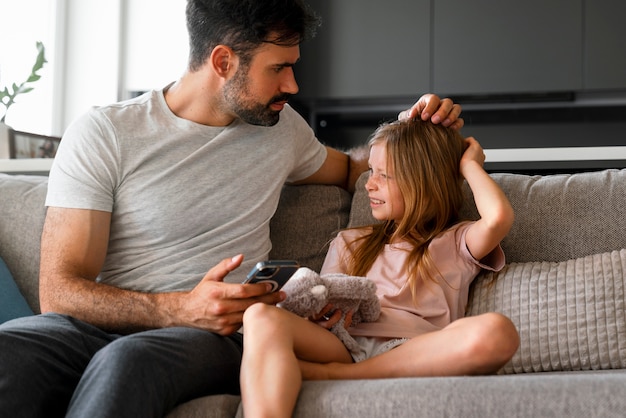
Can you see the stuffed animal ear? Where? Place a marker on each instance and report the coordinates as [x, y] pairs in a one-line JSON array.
[[303, 278], [319, 291]]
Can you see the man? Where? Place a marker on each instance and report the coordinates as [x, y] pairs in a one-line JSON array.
[[147, 195]]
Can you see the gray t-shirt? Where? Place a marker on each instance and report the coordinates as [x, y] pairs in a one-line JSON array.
[[183, 196]]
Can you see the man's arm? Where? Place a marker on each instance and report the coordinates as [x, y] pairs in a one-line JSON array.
[[73, 249]]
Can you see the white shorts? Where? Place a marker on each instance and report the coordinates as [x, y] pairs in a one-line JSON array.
[[373, 346]]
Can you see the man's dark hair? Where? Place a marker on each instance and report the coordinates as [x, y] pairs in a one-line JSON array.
[[243, 25]]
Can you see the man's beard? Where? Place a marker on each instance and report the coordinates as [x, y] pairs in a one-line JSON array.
[[237, 98]]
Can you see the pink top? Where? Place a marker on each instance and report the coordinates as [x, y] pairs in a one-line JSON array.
[[437, 305]]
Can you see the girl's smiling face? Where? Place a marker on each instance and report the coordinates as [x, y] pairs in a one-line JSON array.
[[385, 197]]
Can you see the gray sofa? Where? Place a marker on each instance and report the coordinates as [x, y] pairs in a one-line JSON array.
[[563, 287]]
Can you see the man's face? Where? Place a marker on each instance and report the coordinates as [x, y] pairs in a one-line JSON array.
[[259, 91]]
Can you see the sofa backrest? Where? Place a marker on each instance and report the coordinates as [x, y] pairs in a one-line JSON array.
[[22, 213], [557, 217], [305, 221]]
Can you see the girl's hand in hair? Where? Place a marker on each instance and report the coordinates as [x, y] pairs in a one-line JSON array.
[[473, 153]]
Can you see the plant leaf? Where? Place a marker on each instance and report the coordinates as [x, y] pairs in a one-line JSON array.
[[25, 89], [41, 58]]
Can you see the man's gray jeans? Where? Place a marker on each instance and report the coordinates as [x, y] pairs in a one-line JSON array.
[[53, 366]]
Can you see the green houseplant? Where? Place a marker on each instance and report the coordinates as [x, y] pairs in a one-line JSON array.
[[7, 96]]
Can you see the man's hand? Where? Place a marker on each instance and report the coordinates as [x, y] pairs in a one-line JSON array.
[[430, 106], [219, 307]]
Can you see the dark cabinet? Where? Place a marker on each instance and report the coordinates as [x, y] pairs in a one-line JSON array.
[[507, 46], [534, 73], [401, 48], [605, 44], [367, 48]]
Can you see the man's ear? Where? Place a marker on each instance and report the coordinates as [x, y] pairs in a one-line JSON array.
[[223, 60]]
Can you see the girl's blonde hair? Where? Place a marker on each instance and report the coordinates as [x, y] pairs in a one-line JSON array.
[[424, 159]]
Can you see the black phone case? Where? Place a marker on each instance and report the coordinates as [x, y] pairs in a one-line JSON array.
[[275, 272]]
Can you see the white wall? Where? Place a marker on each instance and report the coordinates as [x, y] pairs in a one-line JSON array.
[[17, 56], [114, 47], [98, 51], [91, 60], [156, 43]]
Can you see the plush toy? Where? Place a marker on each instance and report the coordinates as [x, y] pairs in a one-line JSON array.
[[308, 292]]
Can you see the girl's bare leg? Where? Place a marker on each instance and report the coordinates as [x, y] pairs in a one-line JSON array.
[[274, 339], [474, 345]]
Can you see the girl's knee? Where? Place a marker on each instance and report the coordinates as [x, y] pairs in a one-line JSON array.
[[261, 315], [498, 337], [505, 331]]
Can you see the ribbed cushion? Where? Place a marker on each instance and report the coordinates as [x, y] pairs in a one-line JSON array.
[[571, 315]]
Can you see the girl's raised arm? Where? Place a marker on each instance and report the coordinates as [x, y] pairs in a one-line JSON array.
[[496, 213]]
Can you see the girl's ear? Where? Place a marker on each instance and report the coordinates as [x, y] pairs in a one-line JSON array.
[[223, 60]]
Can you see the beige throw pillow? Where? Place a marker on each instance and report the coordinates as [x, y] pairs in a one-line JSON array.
[[571, 315]]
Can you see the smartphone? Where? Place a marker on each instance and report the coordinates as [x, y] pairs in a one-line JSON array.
[[275, 272]]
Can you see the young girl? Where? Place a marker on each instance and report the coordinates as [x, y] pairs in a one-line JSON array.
[[422, 259]]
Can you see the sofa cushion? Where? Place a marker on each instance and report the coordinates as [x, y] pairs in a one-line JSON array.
[[307, 219], [583, 394], [563, 216], [571, 315], [22, 203], [12, 303]]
